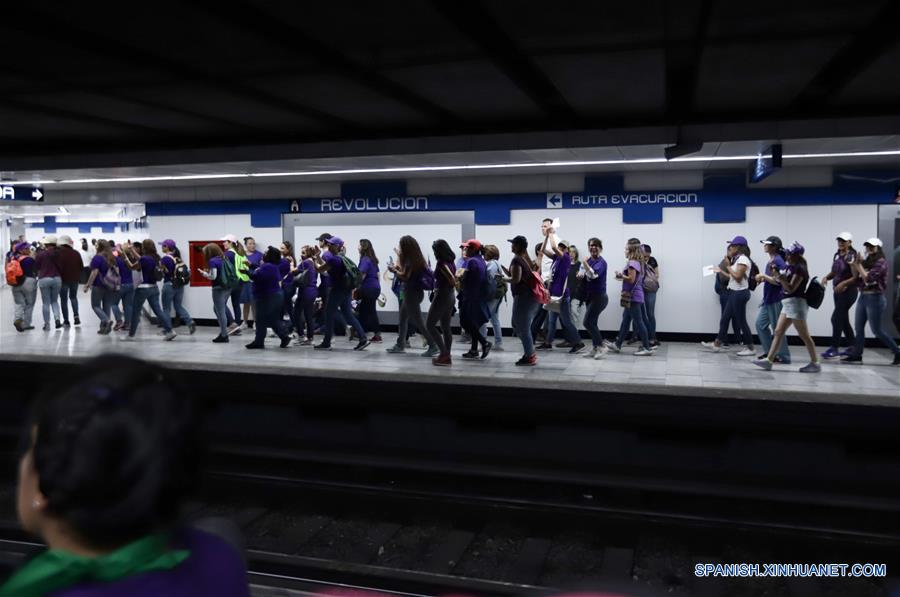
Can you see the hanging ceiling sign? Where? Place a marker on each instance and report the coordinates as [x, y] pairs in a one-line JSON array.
[[20, 193]]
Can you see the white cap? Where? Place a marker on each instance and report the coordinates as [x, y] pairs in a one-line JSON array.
[[48, 240], [230, 238], [875, 242], [65, 239], [845, 236]]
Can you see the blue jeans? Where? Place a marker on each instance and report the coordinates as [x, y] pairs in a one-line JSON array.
[[101, 302], [494, 308], [126, 295], [236, 301], [650, 314], [766, 320], [596, 305], [629, 314], [49, 288], [220, 308], [151, 295], [339, 299], [870, 307], [173, 296], [269, 315], [736, 314], [723, 300], [565, 318], [525, 307], [68, 291]]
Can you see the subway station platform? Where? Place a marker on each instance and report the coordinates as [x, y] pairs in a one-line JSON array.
[[676, 370]]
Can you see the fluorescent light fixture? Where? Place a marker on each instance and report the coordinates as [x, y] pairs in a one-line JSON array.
[[63, 210], [457, 168]]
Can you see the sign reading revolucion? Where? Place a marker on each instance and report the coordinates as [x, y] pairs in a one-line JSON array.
[[345, 204]]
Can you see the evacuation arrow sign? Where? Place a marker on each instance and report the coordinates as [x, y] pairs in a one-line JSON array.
[[9, 192]]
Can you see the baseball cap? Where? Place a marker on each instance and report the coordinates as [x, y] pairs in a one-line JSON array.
[[738, 240], [874, 242], [845, 236], [518, 240], [795, 249], [563, 243], [48, 239], [772, 240], [335, 241], [230, 238], [168, 243], [65, 239], [472, 242], [323, 237], [21, 246]]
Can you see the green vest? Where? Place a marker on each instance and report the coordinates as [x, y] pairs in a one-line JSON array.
[[241, 266]]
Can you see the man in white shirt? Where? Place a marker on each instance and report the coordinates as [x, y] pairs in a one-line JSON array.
[[547, 262]]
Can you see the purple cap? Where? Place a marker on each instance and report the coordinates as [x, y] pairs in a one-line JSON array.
[[795, 249], [21, 246], [168, 243], [738, 240], [335, 241]]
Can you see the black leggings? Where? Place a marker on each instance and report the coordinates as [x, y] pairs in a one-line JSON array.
[[304, 314], [840, 318]]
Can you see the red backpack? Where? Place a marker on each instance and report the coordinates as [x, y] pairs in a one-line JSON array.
[[538, 290], [14, 272]]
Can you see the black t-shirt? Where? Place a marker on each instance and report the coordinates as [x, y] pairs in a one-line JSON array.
[[524, 286], [797, 270]]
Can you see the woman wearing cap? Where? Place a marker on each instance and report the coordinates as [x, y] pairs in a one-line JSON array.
[[525, 306], [793, 281], [845, 294], [738, 271], [410, 269], [632, 298], [770, 307], [148, 290], [492, 265], [369, 289], [49, 280], [70, 267], [101, 295], [267, 295], [473, 308], [330, 262], [594, 272], [441, 310], [213, 255], [871, 276], [170, 294], [25, 292], [559, 288]]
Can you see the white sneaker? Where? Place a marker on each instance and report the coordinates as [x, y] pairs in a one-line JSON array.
[[608, 345], [170, 335], [600, 354], [643, 352], [747, 351], [592, 353], [711, 347]]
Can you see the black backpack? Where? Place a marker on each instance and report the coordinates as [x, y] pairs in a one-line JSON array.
[[751, 280], [181, 277], [814, 294]]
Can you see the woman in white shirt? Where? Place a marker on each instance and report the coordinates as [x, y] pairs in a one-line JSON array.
[[737, 268]]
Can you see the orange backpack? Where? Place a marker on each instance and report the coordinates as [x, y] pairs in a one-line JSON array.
[[14, 272]]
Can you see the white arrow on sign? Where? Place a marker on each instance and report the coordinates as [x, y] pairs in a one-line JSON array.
[[37, 194]]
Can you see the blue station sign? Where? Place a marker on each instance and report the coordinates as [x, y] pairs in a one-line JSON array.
[[21, 193]]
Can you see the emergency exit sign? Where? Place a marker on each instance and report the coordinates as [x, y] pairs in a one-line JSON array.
[[20, 193]]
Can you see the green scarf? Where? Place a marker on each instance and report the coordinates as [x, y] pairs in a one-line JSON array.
[[55, 569]]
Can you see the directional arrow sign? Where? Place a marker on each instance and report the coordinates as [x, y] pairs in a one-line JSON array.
[[20, 193], [554, 201], [37, 195]]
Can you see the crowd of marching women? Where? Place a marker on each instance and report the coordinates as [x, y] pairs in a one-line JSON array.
[[323, 290]]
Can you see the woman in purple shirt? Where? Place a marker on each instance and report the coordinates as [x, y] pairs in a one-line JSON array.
[[25, 293], [441, 310], [108, 461], [410, 269], [845, 294], [369, 290], [172, 292], [473, 307], [269, 300], [559, 287], [594, 271], [102, 295], [254, 258], [871, 276], [632, 298], [305, 279], [148, 290], [213, 255]]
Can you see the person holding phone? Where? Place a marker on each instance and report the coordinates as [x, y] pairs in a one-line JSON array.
[[213, 255], [845, 294]]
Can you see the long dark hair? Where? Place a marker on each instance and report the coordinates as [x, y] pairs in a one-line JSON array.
[[272, 255], [212, 250], [442, 251], [148, 248], [872, 258], [411, 255], [105, 250], [290, 248], [367, 250]]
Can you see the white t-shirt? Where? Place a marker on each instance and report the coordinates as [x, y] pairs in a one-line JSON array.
[[744, 284], [547, 262]]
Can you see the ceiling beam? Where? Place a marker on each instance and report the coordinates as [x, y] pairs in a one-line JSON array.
[[77, 116], [683, 61], [479, 25], [869, 44]]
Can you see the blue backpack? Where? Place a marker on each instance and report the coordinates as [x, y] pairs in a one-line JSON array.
[[427, 279]]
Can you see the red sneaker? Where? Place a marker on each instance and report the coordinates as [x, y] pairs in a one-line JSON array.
[[443, 360], [376, 339]]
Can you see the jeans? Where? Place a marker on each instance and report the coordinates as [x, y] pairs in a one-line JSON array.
[[269, 311], [525, 307], [220, 308], [340, 300], [840, 317], [49, 288], [368, 314], [633, 313], [736, 313], [304, 314], [440, 312], [173, 296], [870, 308], [596, 305], [649, 313], [339, 320], [24, 296], [236, 301], [494, 308], [68, 291], [766, 320], [565, 317], [126, 294], [723, 300], [101, 302], [151, 295], [411, 311]]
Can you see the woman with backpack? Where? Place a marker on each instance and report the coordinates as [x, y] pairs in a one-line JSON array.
[[176, 277], [369, 289], [594, 274], [21, 275], [126, 258], [103, 284], [794, 309], [306, 282], [739, 271], [336, 266], [845, 294], [522, 279], [871, 276], [651, 287], [441, 310], [152, 271], [412, 271], [268, 298], [473, 297], [215, 273], [496, 293], [236, 255], [559, 290], [632, 298]]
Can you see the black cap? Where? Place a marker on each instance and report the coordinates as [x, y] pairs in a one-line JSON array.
[[322, 237], [772, 240], [519, 240]]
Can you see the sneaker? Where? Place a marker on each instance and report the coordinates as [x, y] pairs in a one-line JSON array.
[[376, 339], [544, 346], [781, 360], [129, 338], [599, 355], [285, 341], [896, 360], [529, 361], [77, 321], [170, 335], [852, 359], [306, 342], [830, 353], [192, 327], [234, 330], [564, 344], [431, 352], [66, 324], [322, 346], [613, 348], [654, 344], [711, 347], [810, 368], [424, 342], [643, 352], [396, 349], [246, 326], [254, 345], [764, 364], [486, 350], [472, 354], [746, 352], [58, 324], [363, 344], [846, 353], [592, 353], [119, 325], [498, 347], [760, 357], [654, 348], [577, 348], [443, 360], [46, 327], [220, 338], [608, 345]]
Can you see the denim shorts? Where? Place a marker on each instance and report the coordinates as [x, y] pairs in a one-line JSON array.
[[794, 308]]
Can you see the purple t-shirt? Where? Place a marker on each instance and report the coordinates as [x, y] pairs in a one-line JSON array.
[[215, 264], [773, 293], [597, 286], [310, 290], [473, 280], [168, 262], [440, 280], [284, 267], [255, 258], [636, 288], [213, 568], [875, 278], [265, 280], [336, 268], [840, 266], [796, 270], [369, 271], [558, 274], [148, 269], [99, 263], [124, 271]]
